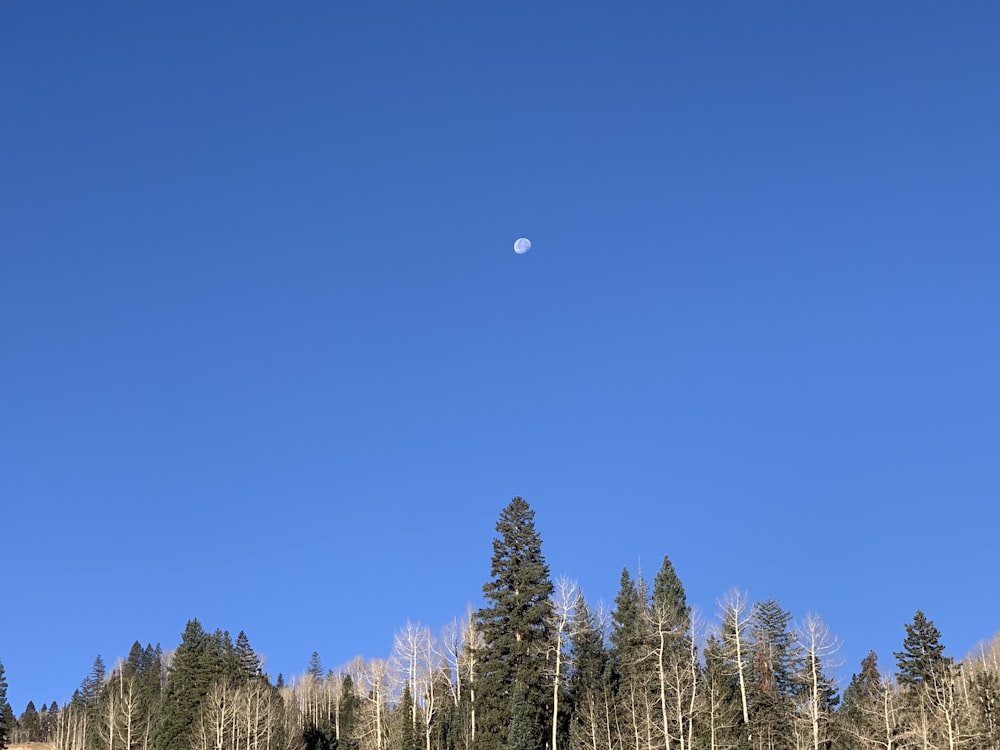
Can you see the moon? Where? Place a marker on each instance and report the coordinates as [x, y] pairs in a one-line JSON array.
[[522, 245]]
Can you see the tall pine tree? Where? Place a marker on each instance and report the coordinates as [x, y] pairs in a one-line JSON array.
[[922, 663], [196, 664], [5, 712], [515, 635]]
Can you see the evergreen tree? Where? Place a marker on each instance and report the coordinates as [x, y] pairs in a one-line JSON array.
[[315, 667], [515, 633], [6, 725], [90, 688], [670, 599], [922, 663], [520, 732], [629, 635], [776, 664], [349, 712], [247, 662], [588, 685], [195, 666], [30, 724], [408, 737], [589, 656], [859, 715]]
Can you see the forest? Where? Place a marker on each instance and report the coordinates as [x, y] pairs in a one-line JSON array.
[[537, 668]]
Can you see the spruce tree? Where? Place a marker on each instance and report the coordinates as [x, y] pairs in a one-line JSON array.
[[776, 664], [859, 714], [315, 667], [669, 597], [588, 684], [30, 724], [515, 634], [408, 737], [248, 664], [195, 666], [349, 712], [520, 732], [629, 634], [922, 663], [6, 728]]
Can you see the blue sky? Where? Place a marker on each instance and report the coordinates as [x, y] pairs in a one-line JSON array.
[[268, 358]]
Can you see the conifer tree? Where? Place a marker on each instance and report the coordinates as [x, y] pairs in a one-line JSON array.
[[922, 662], [247, 662], [859, 716], [776, 664], [588, 689], [515, 633], [628, 634], [315, 666], [6, 726], [520, 733], [30, 725], [189, 678], [409, 739], [349, 712]]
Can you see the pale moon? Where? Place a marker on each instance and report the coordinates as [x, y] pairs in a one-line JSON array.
[[522, 245]]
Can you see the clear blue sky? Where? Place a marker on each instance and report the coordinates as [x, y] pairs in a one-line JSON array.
[[269, 360]]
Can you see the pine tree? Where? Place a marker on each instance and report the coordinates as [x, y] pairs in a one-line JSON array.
[[248, 665], [90, 688], [349, 712], [6, 726], [409, 739], [776, 662], [922, 663], [588, 685], [670, 599], [515, 633], [315, 667], [628, 633], [859, 714], [520, 732], [30, 724], [195, 667]]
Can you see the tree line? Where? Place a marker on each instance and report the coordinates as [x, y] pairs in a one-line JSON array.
[[538, 668]]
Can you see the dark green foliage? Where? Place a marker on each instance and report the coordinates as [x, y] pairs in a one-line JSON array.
[[515, 633], [590, 657], [247, 663], [48, 718], [314, 738], [859, 714], [6, 714], [589, 680], [521, 734], [408, 737], [8, 723], [669, 598], [90, 688], [30, 724], [195, 665], [349, 711], [315, 666], [775, 666], [922, 663], [629, 636]]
